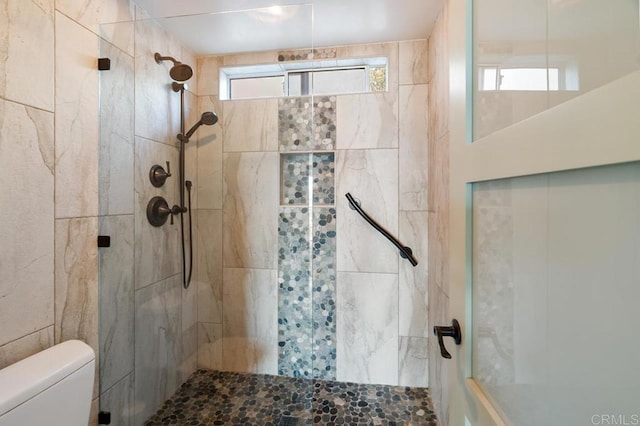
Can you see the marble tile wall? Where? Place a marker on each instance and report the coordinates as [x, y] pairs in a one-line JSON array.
[[250, 125], [76, 283], [116, 154], [26, 169], [250, 321], [91, 163], [76, 120], [158, 345], [250, 209], [376, 137], [438, 205], [367, 328], [371, 176]]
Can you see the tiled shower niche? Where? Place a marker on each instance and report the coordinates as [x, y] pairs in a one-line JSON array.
[[302, 174], [307, 238]]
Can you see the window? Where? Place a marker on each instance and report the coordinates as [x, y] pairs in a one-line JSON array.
[[304, 78], [526, 79]]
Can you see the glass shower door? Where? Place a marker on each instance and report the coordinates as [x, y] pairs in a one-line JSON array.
[[544, 246]]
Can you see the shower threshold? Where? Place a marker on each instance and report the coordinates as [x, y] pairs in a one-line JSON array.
[[226, 398]]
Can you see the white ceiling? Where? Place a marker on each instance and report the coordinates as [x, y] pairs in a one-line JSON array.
[[231, 26]]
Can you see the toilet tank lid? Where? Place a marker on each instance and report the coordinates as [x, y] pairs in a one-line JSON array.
[[23, 380]]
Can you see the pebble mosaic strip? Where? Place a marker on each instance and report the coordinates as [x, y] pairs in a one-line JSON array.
[[303, 54], [294, 293], [323, 261], [324, 123], [294, 179], [237, 399], [294, 123], [323, 172], [307, 124]]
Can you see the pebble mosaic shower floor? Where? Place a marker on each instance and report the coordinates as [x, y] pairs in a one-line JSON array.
[[223, 398]]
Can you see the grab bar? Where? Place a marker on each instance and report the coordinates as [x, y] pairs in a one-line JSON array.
[[405, 252]]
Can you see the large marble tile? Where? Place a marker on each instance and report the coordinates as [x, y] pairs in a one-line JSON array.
[[76, 120], [414, 147], [116, 133], [413, 280], [27, 235], [438, 366], [210, 346], [368, 120], [157, 249], [26, 346], [367, 328], [118, 16], [438, 56], [209, 75], [389, 50], [413, 369], [208, 277], [116, 300], [250, 125], [158, 345], [438, 258], [250, 321], [119, 401], [251, 210], [371, 176], [192, 116], [209, 165], [157, 106], [251, 58], [189, 350], [414, 55], [438, 174], [27, 53], [76, 283]]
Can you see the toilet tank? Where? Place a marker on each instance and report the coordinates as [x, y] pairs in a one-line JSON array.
[[53, 387]]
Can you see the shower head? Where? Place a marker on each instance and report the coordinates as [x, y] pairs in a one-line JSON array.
[[208, 119], [179, 71]]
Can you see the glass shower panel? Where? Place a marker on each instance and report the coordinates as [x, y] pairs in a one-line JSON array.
[[555, 292], [508, 35], [530, 55], [592, 43]]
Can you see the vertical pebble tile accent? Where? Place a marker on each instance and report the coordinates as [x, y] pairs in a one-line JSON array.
[[324, 293], [294, 297], [324, 123], [307, 252], [294, 123], [295, 179], [305, 54], [323, 172]]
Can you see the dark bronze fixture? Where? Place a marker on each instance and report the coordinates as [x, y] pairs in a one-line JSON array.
[[158, 211], [158, 176], [179, 71], [405, 252], [448, 331]]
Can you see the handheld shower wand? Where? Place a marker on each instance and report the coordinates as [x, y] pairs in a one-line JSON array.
[[208, 119]]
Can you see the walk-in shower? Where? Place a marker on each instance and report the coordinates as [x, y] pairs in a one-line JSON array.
[[158, 209]]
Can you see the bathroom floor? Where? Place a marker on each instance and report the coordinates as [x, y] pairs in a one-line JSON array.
[[223, 398]]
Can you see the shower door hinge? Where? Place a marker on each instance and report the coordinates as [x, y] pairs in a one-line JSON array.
[[104, 418], [104, 64], [104, 241]]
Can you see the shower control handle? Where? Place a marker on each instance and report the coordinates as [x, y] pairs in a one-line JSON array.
[[158, 211], [449, 331], [158, 176]]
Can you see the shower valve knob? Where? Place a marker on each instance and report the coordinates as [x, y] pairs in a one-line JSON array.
[[158, 176]]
